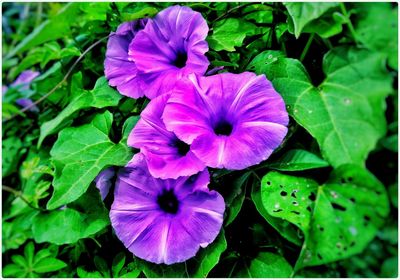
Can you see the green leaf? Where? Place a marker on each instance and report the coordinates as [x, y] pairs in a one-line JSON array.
[[235, 198], [82, 273], [11, 158], [101, 266], [346, 112], [49, 30], [338, 218], [145, 12], [199, 266], [13, 270], [327, 25], [230, 33], [286, 229], [303, 13], [131, 270], [78, 220], [79, 154], [49, 265], [100, 97], [265, 265], [20, 260], [29, 252], [95, 11], [376, 26], [118, 264], [297, 160]]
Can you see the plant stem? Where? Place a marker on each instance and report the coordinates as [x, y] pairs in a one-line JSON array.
[[61, 82], [20, 195], [39, 14], [348, 22], [308, 44]]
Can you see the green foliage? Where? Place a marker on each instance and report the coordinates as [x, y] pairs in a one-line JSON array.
[[338, 218], [358, 77], [31, 264], [321, 209], [79, 154]]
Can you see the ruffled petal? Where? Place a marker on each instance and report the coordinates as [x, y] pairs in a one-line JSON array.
[[170, 47], [103, 181], [232, 121], [119, 68], [166, 155]]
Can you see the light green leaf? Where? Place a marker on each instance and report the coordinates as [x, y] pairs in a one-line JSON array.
[[286, 229], [118, 264], [142, 13], [338, 218], [302, 13], [49, 265], [376, 26], [230, 33], [346, 112], [20, 260], [95, 11], [101, 96], [297, 160], [82, 273], [13, 270], [10, 158], [78, 220], [235, 198], [49, 30], [79, 154], [199, 266], [265, 265]]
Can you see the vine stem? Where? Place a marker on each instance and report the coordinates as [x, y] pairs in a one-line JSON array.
[[348, 22], [231, 10], [307, 47], [61, 82], [20, 195]]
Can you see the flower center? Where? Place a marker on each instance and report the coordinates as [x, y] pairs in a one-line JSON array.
[[182, 147], [168, 202], [223, 128], [180, 60]]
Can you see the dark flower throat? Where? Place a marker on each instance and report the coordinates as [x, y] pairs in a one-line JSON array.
[[182, 147], [168, 202], [223, 128], [180, 60]]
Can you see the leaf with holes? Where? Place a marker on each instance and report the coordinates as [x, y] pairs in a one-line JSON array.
[[338, 218], [355, 86], [302, 14], [79, 154]]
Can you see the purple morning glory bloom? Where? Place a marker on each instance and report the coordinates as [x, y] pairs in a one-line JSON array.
[[231, 121], [103, 181], [164, 221], [171, 46], [24, 80], [166, 155], [119, 68]]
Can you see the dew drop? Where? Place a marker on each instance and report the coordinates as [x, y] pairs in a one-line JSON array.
[[353, 230], [347, 101], [270, 56], [277, 205]]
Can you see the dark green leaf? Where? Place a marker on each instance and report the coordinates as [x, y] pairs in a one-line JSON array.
[[79, 154], [234, 200], [297, 160]]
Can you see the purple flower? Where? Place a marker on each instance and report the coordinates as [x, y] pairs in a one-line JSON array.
[[103, 181], [119, 68], [171, 46], [166, 155], [230, 120], [24, 80], [164, 221], [26, 102]]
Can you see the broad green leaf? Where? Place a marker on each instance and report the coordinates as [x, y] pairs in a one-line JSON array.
[[376, 26], [230, 33], [286, 229], [346, 112], [297, 160], [338, 218], [79, 154], [145, 12], [303, 13], [198, 266], [328, 25], [265, 265], [10, 158], [235, 198], [77, 220], [49, 30], [101, 96], [49, 265], [95, 10]]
